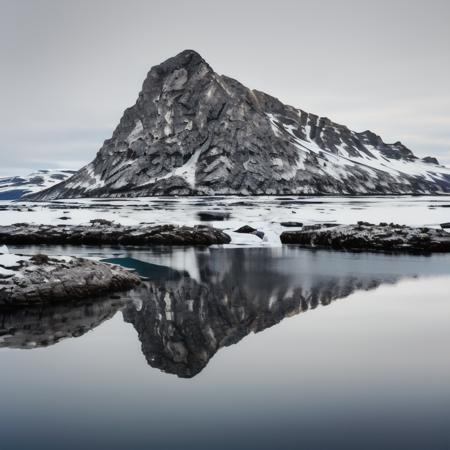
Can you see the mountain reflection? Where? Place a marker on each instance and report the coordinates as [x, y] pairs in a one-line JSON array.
[[182, 322], [194, 302]]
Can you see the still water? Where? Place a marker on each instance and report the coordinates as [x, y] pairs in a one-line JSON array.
[[241, 348]]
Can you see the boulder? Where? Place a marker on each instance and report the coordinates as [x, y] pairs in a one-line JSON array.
[[245, 229], [40, 279], [208, 216]]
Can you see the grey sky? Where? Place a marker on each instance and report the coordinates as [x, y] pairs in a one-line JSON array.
[[70, 68]]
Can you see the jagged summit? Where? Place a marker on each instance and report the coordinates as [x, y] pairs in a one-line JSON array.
[[194, 132], [185, 58]]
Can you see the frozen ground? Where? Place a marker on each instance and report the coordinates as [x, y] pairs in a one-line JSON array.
[[263, 213]]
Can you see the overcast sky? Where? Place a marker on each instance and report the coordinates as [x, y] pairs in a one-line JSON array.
[[68, 69]]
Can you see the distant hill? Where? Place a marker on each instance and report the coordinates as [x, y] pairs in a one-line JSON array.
[[13, 188]]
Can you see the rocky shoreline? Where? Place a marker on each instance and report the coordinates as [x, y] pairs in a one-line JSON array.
[[103, 232], [365, 236], [39, 279]]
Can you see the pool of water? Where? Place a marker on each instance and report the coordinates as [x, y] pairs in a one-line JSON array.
[[236, 348]]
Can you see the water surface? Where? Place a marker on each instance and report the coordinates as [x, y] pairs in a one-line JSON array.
[[236, 348]]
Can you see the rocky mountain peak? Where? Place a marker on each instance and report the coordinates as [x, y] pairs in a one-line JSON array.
[[194, 132], [177, 70]]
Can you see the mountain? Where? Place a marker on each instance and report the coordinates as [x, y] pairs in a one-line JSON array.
[[194, 132], [13, 188]]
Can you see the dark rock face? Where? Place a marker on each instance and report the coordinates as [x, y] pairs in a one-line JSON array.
[[369, 237], [100, 233], [194, 132], [445, 225], [42, 280]]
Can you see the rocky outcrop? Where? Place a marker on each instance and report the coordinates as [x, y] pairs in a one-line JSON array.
[[104, 233], [365, 236], [430, 160], [194, 132], [40, 280]]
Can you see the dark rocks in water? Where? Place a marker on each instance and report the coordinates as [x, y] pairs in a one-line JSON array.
[[101, 222], [195, 132], [245, 229], [97, 234], [209, 216], [369, 237], [291, 224], [312, 227], [63, 218], [41, 280], [445, 225], [242, 203], [318, 226]]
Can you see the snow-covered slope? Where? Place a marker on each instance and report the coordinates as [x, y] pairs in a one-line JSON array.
[[13, 188], [194, 132]]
